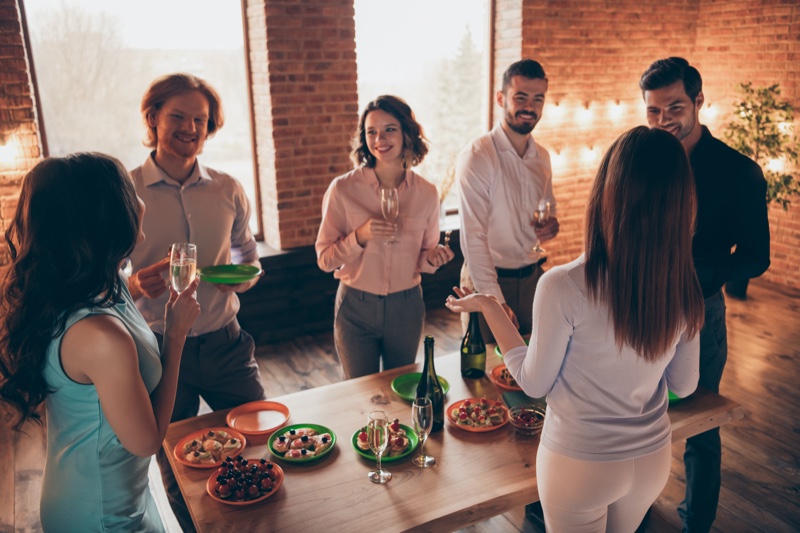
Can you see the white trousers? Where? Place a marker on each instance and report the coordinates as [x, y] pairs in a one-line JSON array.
[[599, 496]]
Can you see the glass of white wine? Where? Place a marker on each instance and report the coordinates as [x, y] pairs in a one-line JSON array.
[[378, 438], [540, 217], [390, 207], [182, 265], [422, 416]]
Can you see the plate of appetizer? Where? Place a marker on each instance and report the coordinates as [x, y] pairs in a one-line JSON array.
[[242, 481], [402, 441], [302, 443], [478, 414], [406, 385], [257, 418], [501, 377], [209, 447]]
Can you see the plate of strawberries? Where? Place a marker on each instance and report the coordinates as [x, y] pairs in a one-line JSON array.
[[478, 414], [402, 441]]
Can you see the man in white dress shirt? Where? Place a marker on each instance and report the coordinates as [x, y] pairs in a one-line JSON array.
[[504, 176]]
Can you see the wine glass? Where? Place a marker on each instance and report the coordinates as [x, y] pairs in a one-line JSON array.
[[182, 265], [422, 416], [378, 438], [540, 217], [390, 207]]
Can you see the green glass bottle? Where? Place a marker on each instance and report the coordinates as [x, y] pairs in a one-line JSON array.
[[473, 350], [429, 386]]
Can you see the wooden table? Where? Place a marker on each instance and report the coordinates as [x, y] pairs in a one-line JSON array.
[[477, 475]]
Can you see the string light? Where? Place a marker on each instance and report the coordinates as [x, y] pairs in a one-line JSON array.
[[775, 165], [558, 159], [588, 155], [9, 149], [556, 112], [585, 116], [616, 110]]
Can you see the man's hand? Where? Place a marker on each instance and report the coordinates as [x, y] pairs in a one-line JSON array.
[[245, 285], [148, 281], [547, 230]]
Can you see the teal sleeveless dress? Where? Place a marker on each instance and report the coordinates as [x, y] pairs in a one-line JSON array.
[[91, 482]]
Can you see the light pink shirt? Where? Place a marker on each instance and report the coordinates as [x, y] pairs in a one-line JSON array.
[[210, 210], [378, 268], [499, 192]]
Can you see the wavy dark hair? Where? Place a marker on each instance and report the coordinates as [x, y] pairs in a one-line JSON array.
[[415, 145], [639, 226], [76, 220], [667, 71]]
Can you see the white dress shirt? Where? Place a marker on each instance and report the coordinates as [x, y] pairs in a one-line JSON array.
[[499, 192]]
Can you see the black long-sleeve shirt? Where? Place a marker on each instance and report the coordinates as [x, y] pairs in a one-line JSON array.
[[731, 210]]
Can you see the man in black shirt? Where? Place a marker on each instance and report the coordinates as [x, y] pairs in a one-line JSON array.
[[731, 215]]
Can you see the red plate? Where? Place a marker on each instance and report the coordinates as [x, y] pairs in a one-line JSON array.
[[481, 429], [212, 481], [178, 454], [495, 378], [261, 417]]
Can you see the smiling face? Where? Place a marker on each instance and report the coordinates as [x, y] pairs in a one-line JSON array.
[[522, 103], [384, 137], [670, 109], [181, 126]]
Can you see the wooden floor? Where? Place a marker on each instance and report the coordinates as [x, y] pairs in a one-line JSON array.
[[761, 453]]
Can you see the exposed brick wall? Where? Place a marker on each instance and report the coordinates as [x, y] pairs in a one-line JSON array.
[[17, 113], [594, 53], [304, 77]]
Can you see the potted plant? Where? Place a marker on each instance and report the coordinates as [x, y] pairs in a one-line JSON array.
[[762, 129]]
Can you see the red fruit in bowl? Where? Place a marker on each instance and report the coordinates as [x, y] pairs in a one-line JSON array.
[[267, 484], [363, 436], [253, 492], [239, 494], [231, 482], [395, 426], [224, 492]]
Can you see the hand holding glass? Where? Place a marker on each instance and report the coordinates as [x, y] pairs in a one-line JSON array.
[[390, 208], [422, 416], [378, 438], [540, 217], [182, 265]]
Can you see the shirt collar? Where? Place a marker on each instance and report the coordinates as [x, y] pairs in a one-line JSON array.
[[503, 143], [152, 173], [370, 178]]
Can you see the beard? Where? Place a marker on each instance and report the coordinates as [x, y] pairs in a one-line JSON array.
[[523, 128]]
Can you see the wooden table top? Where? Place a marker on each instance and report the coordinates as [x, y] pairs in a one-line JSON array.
[[477, 475]]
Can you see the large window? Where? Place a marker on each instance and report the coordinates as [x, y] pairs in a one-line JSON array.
[[95, 59], [433, 55]]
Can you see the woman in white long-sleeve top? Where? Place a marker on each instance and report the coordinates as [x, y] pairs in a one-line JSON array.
[[612, 331]]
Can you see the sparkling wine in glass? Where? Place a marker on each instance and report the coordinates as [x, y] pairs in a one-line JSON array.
[[540, 217], [182, 265], [390, 207], [378, 438], [422, 417]]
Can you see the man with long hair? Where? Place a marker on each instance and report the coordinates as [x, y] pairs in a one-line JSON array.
[[731, 214]]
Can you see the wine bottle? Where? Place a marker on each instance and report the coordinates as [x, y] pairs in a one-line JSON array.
[[429, 386], [473, 350]]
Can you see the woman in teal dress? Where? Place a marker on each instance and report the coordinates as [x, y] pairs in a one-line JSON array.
[[72, 338]]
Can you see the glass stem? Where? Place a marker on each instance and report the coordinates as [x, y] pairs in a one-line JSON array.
[[379, 461]]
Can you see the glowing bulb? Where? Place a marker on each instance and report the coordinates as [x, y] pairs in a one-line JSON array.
[[775, 165], [585, 116], [785, 127], [9, 151], [616, 110], [557, 112], [558, 160], [588, 155], [710, 111]]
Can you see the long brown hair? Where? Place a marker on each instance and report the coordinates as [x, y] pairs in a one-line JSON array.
[[76, 220], [639, 226]]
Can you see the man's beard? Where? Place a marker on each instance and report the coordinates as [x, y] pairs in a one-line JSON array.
[[522, 128]]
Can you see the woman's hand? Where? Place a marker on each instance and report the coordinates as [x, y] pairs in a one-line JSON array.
[[375, 228], [468, 302], [181, 310], [439, 255], [148, 281]]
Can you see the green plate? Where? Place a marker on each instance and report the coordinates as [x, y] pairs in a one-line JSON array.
[[413, 438], [406, 385], [497, 349], [316, 427], [229, 274], [672, 397]]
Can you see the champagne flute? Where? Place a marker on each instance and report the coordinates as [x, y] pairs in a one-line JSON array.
[[422, 416], [540, 217], [183, 265], [378, 438], [390, 207]]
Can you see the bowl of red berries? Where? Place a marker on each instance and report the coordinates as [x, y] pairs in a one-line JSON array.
[[527, 419]]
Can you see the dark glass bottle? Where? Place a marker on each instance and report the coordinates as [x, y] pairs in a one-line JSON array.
[[429, 386], [473, 350]]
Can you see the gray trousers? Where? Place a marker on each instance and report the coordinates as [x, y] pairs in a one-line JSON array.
[[518, 293], [368, 327], [219, 366]]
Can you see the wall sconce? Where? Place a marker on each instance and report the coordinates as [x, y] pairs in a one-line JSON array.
[[9, 148], [589, 155], [556, 112], [616, 110], [585, 116], [558, 160]]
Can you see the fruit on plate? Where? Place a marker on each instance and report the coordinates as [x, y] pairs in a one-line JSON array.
[[480, 413], [210, 447], [506, 378], [242, 480], [301, 443], [398, 440]]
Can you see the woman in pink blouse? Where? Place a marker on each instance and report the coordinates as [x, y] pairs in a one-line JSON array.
[[379, 309]]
